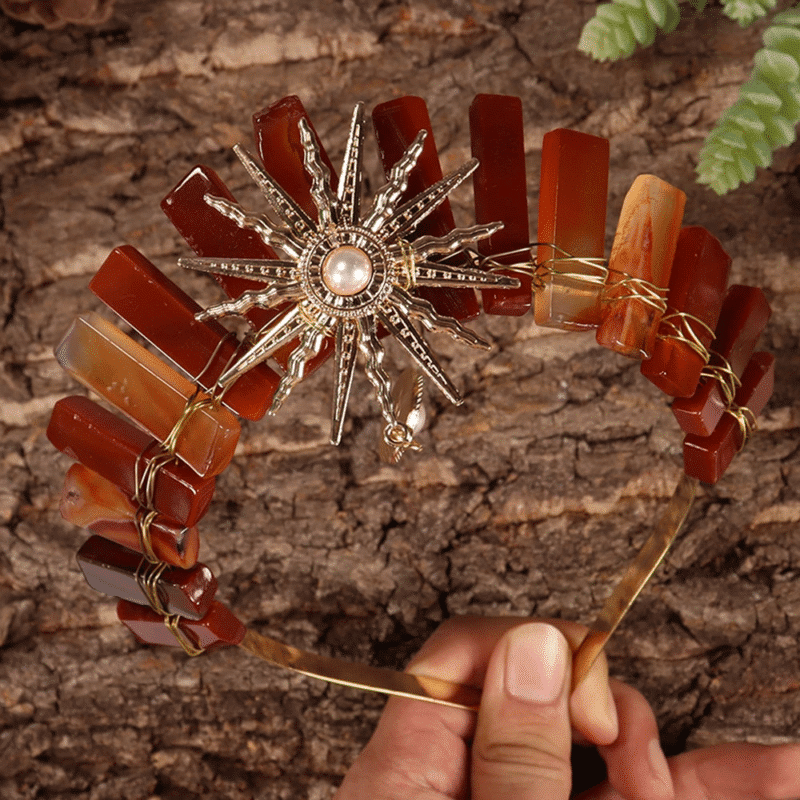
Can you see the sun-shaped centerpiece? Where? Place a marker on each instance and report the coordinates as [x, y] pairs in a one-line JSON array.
[[344, 273]]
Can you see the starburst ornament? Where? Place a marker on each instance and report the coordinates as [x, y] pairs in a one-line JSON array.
[[344, 273]]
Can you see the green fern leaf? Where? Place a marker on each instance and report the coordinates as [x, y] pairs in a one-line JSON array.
[[618, 27], [767, 112], [745, 11]]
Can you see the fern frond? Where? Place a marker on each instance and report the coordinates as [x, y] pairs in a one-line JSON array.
[[765, 115], [745, 11], [618, 27]]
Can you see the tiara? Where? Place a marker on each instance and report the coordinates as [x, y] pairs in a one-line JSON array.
[[324, 275]]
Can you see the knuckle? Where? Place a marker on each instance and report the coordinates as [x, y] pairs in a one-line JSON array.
[[530, 759]]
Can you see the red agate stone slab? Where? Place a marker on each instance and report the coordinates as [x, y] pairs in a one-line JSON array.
[[279, 146], [164, 314], [501, 191], [278, 140], [745, 313], [111, 447], [91, 502], [112, 569], [212, 235], [707, 457], [644, 248], [573, 195], [696, 287], [218, 628], [397, 124]]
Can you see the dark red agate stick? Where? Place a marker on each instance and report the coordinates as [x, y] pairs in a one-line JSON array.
[[164, 314], [573, 195], [94, 503], [707, 457], [277, 135], [501, 192], [114, 570], [112, 447], [745, 313], [212, 235], [218, 628], [397, 124], [696, 287]]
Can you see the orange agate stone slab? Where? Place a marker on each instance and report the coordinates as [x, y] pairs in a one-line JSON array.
[[696, 287], [644, 248], [92, 502], [112, 447], [501, 191], [132, 379], [745, 313], [113, 570], [573, 195], [164, 314], [397, 124], [218, 628], [707, 457]]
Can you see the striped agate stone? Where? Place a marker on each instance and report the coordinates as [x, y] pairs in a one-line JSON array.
[[146, 389], [94, 503], [643, 249]]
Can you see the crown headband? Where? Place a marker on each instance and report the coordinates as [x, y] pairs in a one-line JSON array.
[[343, 278]]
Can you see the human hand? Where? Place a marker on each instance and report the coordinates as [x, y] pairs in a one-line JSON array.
[[518, 746]]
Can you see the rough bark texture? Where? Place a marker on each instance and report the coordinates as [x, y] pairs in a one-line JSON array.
[[528, 499]]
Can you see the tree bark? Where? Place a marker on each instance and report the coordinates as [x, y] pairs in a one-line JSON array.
[[529, 499]]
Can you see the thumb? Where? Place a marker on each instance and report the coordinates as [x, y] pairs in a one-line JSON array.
[[522, 743]]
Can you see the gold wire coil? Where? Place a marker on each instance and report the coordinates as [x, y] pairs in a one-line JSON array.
[[408, 265], [143, 519], [148, 575], [145, 478], [171, 621], [679, 326], [720, 370], [196, 402], [630, 287], [541, 272], [746, 420], [216, 390]]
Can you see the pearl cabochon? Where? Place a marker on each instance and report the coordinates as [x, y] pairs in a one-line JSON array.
[[346, 271]]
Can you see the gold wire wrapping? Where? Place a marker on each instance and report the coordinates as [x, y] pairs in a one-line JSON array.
[[679, 327], [630, 287], [722, 372], [745, 419], [143, 519], [196, 402], [216, 390], [148, 575], [541, 272], [171, 621]]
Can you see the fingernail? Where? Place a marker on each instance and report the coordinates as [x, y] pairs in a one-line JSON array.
[[611, 721], [537, 659], [660, 769]]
